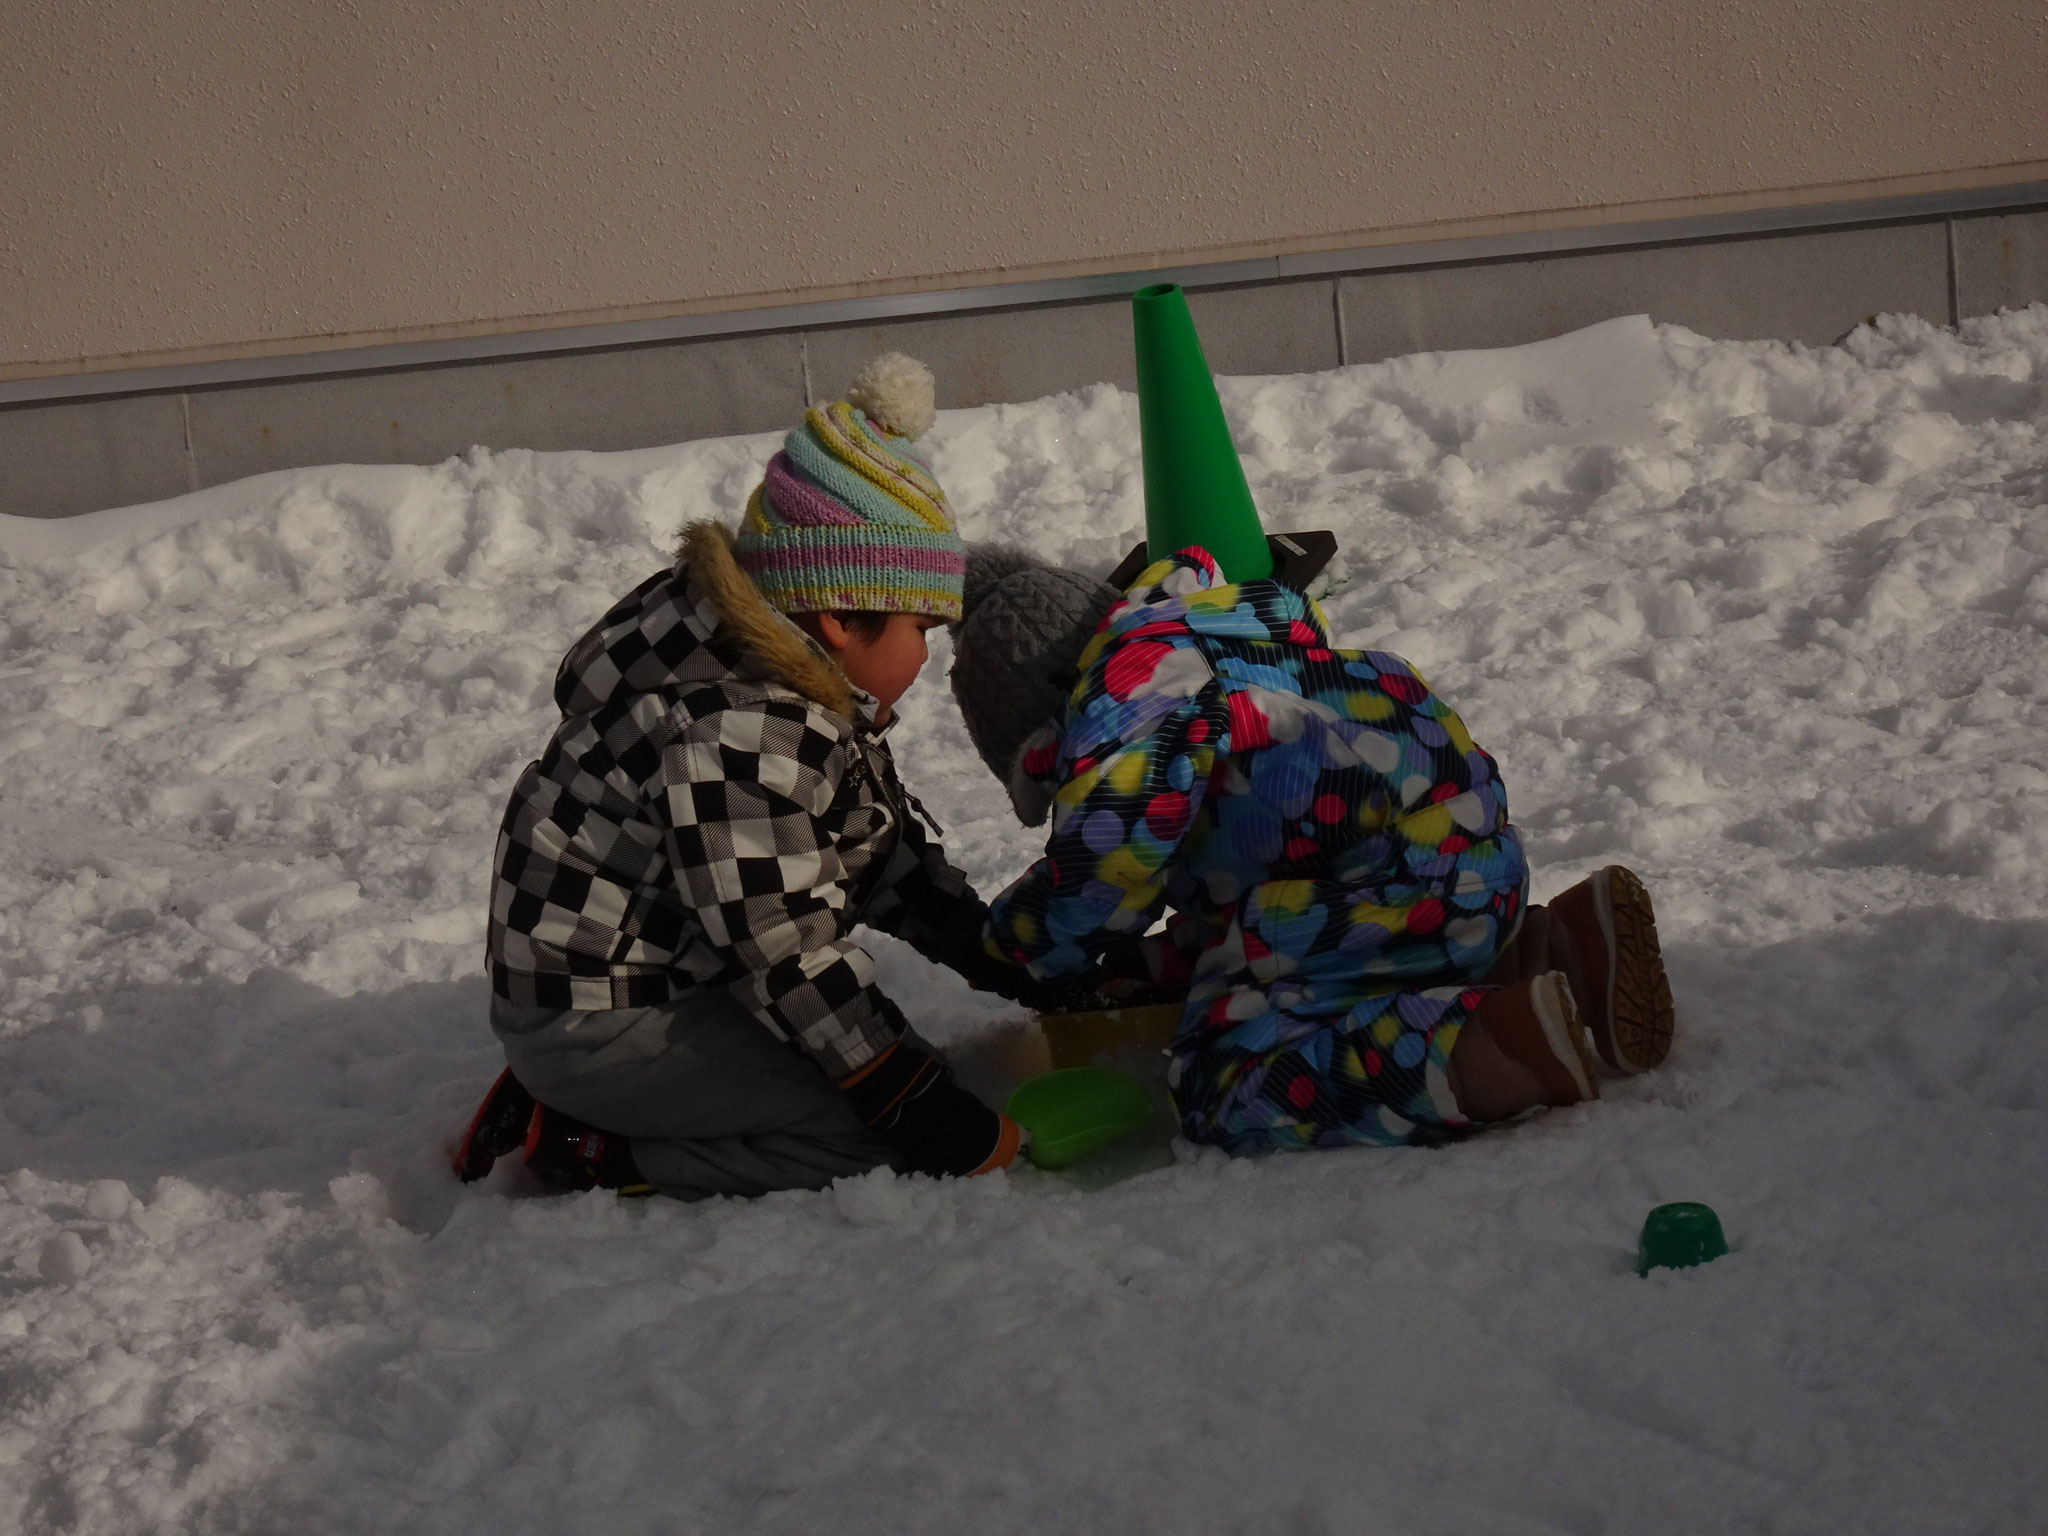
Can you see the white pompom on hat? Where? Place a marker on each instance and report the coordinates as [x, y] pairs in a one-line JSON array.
[[896, 393]]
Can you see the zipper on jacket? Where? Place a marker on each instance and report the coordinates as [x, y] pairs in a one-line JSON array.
[[863, 768]]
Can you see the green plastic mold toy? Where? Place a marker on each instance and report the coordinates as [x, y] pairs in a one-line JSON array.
[[1074, 1110]]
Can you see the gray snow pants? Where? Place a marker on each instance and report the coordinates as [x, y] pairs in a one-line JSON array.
[[713, 1103]]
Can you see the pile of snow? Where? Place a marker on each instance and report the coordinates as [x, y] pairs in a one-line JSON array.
[[1769, 624]]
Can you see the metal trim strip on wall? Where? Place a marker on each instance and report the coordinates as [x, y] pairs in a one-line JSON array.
[[940, 301]]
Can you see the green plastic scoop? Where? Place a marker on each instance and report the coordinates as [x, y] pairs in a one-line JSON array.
[[1071, 1112]]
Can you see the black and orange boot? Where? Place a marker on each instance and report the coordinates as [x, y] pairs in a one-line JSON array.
[[498, 1126], [567, 1154]]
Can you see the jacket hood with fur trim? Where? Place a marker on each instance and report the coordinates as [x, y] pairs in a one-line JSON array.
[[732, 632]]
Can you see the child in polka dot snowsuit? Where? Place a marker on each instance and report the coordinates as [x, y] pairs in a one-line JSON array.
[[1335, 847]]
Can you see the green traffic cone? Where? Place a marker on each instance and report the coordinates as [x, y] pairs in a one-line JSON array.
[[1195, 491]]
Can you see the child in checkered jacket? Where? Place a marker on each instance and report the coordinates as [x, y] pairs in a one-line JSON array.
[[674, 980]]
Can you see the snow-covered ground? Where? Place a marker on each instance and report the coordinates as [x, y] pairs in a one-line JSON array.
[[1769, 624]]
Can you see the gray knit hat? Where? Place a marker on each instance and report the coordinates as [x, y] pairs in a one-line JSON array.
[[1022, 630]]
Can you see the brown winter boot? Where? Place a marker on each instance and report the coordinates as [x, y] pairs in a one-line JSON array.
[[1523, 1047], [1604, 938], [1527, 953]]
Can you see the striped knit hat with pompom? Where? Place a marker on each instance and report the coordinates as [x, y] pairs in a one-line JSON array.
[[849, 517]]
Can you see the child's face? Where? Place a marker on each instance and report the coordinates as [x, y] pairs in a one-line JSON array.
[[885, 665]]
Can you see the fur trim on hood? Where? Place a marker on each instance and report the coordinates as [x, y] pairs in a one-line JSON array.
[[760, 629]]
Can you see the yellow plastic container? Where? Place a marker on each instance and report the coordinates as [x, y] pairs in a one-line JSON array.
[[1082, 1039]]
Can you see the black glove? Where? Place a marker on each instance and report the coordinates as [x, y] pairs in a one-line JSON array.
[[908, 1096], [1061, 994], [1140, 972], [1125, 977], [958, 946]]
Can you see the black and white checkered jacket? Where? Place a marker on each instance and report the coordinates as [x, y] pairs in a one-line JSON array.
[[715, 811]]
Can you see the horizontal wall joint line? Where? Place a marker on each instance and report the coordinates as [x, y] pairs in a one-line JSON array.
[[1531, 244]]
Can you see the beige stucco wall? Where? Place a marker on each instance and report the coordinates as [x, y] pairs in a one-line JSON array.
[[181, 183]]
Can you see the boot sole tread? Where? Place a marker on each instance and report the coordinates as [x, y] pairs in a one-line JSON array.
[[1642, 1020]]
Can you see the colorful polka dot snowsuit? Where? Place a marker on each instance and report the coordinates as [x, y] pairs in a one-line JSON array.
[[1323, 818]]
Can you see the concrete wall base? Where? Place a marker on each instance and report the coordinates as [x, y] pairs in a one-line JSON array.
[[63, 457]]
